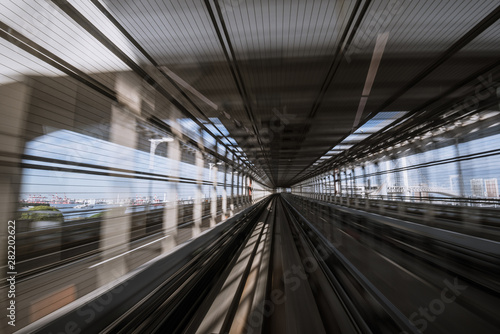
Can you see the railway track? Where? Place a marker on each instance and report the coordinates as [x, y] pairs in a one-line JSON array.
[[267, 270]]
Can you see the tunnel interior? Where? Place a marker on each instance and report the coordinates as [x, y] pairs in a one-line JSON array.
[[229, 166]]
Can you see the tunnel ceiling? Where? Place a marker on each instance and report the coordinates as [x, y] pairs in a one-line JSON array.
[[292, 79]]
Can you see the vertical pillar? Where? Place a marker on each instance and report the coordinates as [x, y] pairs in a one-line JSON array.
[[247, 185], [171, 213], [224, 194], [310, 187], [315, 191], [353, 182], [197, 204], [461, 186], [318, 182], [231, 210], [250, 187], [353, 185], [379, 176], [14, 107], [315, 188], [366, 185], [334, 180], [422, 177], [325, 186], [406, 183], [331, 185], [116, 225], [213, 194], [320, 186], [346, 185], [244, 188], [388, 176], [339, 184], [238, 176]]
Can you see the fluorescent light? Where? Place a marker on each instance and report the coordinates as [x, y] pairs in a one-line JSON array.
[[372, 72]]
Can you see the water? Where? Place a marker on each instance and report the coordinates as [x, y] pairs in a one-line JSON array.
[[70, 212]]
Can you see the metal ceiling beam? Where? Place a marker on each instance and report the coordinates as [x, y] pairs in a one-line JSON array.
[[13, 36], [334, 66], [233, 66], [173, 81], [484, 24], [431, 116], [81, 20]]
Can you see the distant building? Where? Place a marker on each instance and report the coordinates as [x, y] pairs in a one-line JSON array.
[[477, 187], [491, 187]]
